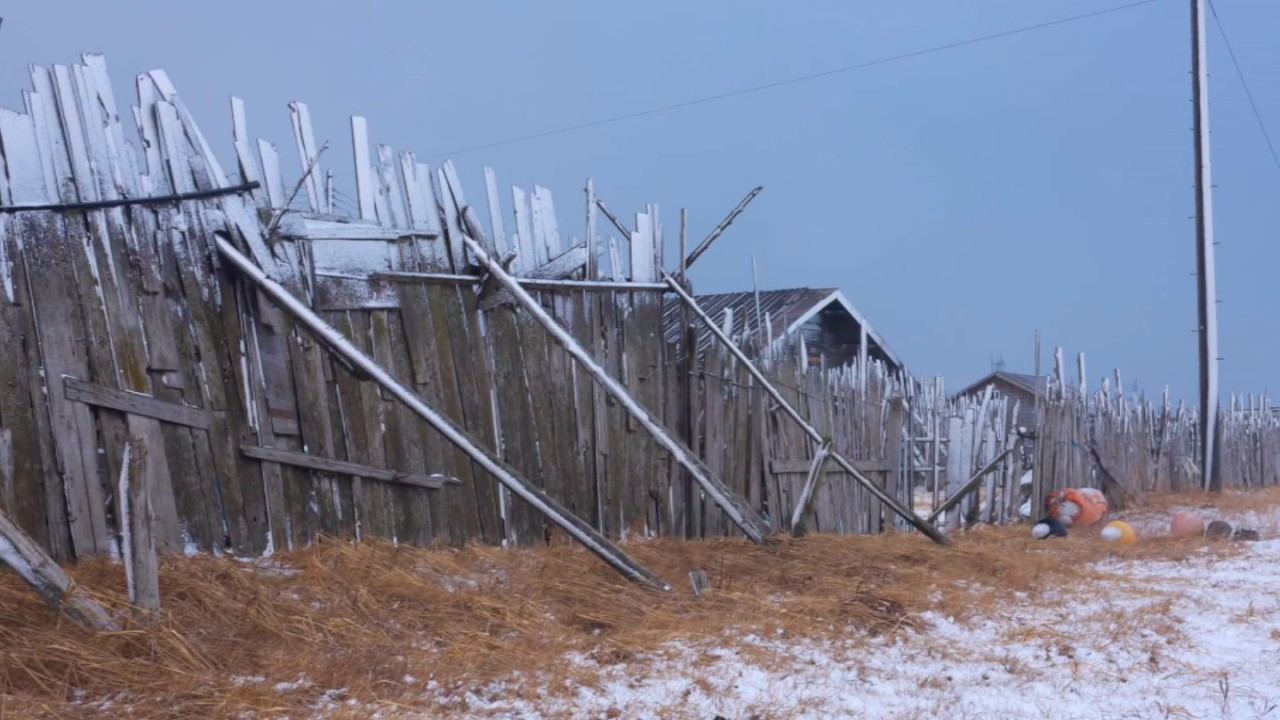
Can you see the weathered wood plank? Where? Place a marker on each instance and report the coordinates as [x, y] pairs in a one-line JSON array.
[[342, 467], [801, 467], [50, 582], [135, 403]]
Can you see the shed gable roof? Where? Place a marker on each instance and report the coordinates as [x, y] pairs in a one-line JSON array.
[[782, 312]]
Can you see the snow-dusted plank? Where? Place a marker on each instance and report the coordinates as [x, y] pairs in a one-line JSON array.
[[495, 212], [345, 256], [390, 187], [311, 228], [539, 229], [168, 92], [526, 254], [615, 260], [148, 126], [95, 134], [434, 252], [340, 294], [452, 220], [642, 269], [365, 187], [415, 200], [102, 95], [244, 151], [50, 133], [73, 132], [308, 153], [44, 154], [271, 174], [546, 213], [22, 158], [174, 144]]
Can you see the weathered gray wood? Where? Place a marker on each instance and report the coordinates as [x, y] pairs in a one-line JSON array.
[[801, 467], [136, 404], [21, 553], [561, 267], [337, 343], [342, 467], [871, 487], [805, 504], [137, 515], [969, 485], [735, 507], [7, 465]]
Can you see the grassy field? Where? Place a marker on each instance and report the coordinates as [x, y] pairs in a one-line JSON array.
[[997, 625]]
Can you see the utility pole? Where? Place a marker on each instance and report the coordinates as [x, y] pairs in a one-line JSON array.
[[1205, 286]]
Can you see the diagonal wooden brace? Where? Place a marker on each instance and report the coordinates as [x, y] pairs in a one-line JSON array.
[[337, 343], [872, 487], [737, 508]]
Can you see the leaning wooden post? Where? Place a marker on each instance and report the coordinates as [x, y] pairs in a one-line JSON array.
[[969, 485], [805, 503], [736, 508], [20, 552], [138, 544], [872, 487], [337, 343]]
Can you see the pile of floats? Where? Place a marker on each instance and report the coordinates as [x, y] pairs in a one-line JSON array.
[[1068, 508]]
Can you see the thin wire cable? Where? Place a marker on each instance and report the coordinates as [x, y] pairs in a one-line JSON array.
[[1257, 115], [799, 79]]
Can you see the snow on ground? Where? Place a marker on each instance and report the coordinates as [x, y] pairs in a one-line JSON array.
[[1198, 638]]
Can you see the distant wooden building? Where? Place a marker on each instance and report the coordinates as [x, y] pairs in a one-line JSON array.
[[1024, 388], [834, 332]]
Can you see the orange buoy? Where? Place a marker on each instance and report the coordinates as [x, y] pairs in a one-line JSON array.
[[1077, 507], [1186, 524], [1119, 532]]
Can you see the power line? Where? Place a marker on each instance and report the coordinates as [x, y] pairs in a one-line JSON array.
[[801, 78], [1257, 115]]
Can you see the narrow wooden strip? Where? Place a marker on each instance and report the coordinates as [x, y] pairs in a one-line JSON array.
[[342, 467], [135, 403]]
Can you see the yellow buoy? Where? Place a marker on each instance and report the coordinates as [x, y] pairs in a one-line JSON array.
[[1119, 532]]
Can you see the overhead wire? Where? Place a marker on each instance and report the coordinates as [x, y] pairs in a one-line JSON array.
[[1257, 114], [801, 78]]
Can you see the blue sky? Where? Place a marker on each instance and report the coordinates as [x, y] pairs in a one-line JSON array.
[[961, 199]]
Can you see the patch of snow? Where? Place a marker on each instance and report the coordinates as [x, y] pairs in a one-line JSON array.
[[1197, 638]]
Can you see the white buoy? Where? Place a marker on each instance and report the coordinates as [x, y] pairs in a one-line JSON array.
[[1040, 531]]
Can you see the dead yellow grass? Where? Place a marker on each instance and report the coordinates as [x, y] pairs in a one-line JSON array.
[[358, 620]]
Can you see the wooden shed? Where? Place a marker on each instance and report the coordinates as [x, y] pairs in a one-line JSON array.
[[833, 330], [1016, 386]]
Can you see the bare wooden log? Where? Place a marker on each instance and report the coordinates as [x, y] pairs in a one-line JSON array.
[[485, 458], [735, 507], [849, 467], [20, 552]]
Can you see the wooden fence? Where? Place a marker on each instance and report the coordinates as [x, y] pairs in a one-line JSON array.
[[121, 326]]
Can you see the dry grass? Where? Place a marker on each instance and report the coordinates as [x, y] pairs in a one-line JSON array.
[[360, 618]]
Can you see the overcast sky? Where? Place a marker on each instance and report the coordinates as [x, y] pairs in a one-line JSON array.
[[961, 199]]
